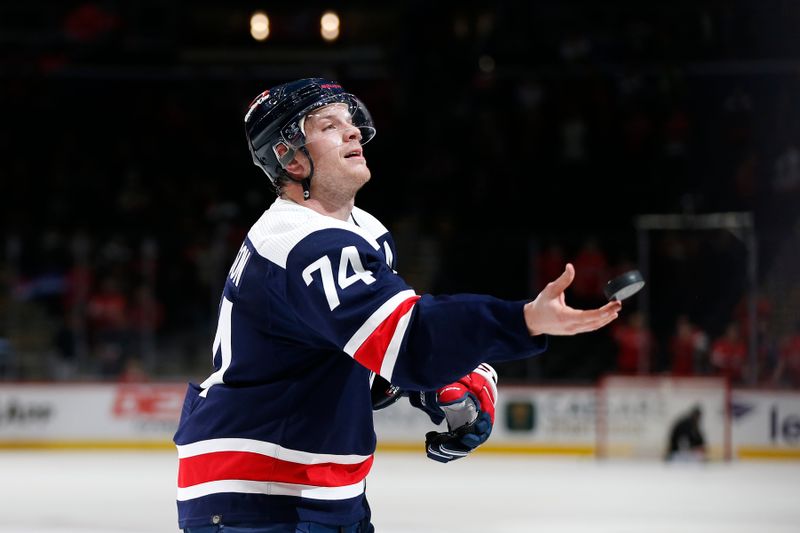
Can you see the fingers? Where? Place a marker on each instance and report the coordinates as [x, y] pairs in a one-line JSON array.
[[611, 309], [563, 281], [614, 306], [580, 321], [596, 324], [585, 326]]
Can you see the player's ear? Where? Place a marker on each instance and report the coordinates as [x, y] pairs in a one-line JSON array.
[[293, 167]]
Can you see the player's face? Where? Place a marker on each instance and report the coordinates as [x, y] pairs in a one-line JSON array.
[[334, 144]]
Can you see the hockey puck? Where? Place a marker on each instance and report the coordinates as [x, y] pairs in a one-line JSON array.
[[624, 286]]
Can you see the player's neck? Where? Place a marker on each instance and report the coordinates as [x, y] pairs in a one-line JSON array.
[[337, 209]]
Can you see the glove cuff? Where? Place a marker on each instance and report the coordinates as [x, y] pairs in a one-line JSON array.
[[426, 401]]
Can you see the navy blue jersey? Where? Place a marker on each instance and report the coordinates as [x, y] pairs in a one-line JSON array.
[[282, 429]]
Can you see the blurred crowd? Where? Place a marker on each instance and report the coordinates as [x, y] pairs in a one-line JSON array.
[[501, 154], [689, 343]]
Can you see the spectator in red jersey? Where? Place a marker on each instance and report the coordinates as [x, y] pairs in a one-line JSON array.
[[107, 310], [687, 348], [729, 354], [591, 267], [742, 313], [766, 351], [635, 344], [146, 313], [107, 307], [133, 372], [787, 371]]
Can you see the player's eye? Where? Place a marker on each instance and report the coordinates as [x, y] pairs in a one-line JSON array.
[[330, 126]]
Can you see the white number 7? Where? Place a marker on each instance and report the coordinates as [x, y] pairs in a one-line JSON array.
[[349, 258]]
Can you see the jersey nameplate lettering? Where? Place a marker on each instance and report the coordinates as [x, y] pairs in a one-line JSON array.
[[387, 252], [235, 274]]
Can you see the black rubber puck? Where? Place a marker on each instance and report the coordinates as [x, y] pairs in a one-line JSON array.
[[624, 286]]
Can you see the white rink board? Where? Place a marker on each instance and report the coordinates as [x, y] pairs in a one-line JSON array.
[[90, 412], [765, 422], [562, 419]]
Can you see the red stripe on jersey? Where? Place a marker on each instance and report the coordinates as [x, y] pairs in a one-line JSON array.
[[373, 349], [216, 466]]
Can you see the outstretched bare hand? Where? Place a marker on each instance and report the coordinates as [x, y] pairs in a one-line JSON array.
[[550, 314]]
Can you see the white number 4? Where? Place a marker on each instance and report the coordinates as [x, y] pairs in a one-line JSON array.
[[349, 259]]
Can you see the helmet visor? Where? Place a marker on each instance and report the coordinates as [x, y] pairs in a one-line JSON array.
[[344, 112]]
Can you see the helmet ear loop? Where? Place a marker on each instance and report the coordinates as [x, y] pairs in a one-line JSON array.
[[305, 182]]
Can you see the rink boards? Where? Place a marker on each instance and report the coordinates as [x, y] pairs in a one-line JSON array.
[[530, 420]]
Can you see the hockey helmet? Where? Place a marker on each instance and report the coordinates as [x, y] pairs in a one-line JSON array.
[[275, 118]]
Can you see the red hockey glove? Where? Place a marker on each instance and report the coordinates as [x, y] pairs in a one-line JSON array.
[[468, 405]]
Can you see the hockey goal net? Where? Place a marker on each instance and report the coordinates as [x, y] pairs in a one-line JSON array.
[[635, 414]]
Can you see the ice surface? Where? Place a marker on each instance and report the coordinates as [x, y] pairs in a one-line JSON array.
[[134, 492]]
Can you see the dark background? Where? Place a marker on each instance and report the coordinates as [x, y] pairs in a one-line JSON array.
[[503, 129]]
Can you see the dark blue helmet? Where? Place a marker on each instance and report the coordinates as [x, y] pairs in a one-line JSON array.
[[275, 117]]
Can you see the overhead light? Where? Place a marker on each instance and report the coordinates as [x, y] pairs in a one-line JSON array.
[[259, 26], [329, 26]]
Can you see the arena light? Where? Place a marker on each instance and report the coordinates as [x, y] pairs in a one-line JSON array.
[[329, 26], [259, 25]]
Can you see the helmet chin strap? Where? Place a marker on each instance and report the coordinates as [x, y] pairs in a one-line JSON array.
[[305, 182]]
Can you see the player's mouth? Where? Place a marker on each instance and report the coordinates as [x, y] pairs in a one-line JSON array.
[[354, 154]]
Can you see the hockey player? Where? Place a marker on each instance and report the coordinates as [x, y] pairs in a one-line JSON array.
[[280, 438]]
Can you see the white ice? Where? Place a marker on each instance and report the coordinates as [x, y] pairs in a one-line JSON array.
[[134, 492]]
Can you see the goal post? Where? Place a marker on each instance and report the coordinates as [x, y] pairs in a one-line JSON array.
[[739, 224], [636, 413]]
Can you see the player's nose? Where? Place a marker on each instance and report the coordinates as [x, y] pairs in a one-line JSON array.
[[353, 133]]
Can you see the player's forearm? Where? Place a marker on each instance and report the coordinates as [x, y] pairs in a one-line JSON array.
[[451, 335]]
